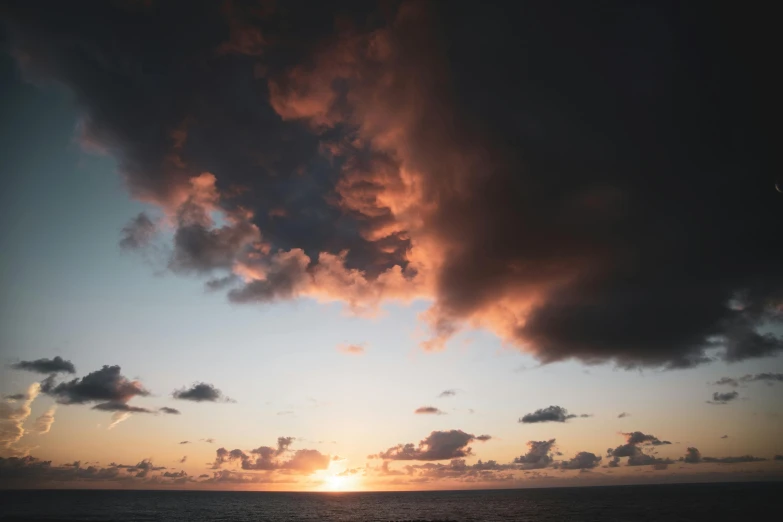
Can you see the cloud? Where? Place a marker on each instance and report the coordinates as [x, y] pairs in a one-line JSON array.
[[769, 378], [582, 460], [56, 365], [29, 471], [106, 384], [138, 232], [457, 469], [693, 456], [13, 416], [120, 407], [723, 398], [351, 349], [637, 437], [429, 410], [447, 393], [266, 458], [549, 414], [390, 160], [185, 442], [201, 392], [118, 417], [283, 443], [726, 381], [724, 436], [183, 459], [43, 423], [439, 445], [623, 415], [539, 454], [634, 448], [15, 397], [169, 411], [209, 441]]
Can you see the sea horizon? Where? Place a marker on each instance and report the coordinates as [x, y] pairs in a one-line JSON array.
[[624, 484]]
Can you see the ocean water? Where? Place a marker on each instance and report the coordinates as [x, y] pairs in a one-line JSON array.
[[670, 503]]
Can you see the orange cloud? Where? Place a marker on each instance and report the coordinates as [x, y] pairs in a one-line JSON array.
[[351, 349]]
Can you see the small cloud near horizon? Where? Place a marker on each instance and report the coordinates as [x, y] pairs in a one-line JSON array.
[[723, 398], [351, 349], [429, 410]]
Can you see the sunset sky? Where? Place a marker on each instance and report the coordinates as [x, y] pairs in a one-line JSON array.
[[407, 245]]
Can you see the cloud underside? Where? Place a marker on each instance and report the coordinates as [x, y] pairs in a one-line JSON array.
[[389, 160]]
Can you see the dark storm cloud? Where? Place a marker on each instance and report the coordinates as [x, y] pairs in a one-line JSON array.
[[106, 384], [694, 456], [201, 392], [769, 378], [169, 411], [138, 232], [56, 365], [549, 414], [439, 445], [429, 410], [519, 196], [723, 398]]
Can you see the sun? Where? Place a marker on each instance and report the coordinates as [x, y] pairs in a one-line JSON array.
[[336, 482], [340, 482]]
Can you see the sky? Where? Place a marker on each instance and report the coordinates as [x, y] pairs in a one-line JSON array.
[[393, 246]]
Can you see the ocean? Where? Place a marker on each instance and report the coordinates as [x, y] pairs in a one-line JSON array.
[[670, 503]]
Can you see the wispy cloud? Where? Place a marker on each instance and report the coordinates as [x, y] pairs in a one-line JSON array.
[[351, 349], [56, 365], [429, 410]]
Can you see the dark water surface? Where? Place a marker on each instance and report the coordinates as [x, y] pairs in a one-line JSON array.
[[670, 503]]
